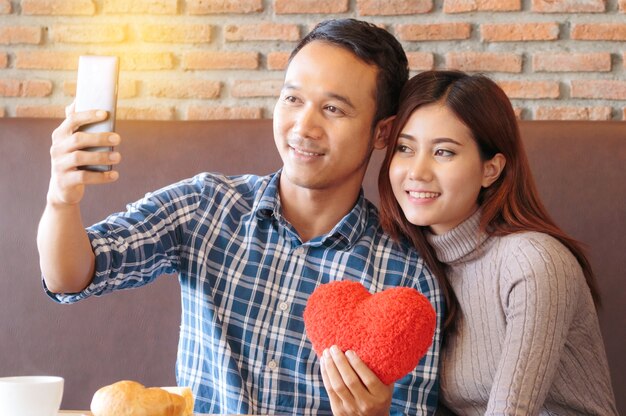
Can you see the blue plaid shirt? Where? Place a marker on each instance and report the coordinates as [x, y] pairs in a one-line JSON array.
[[245, 277]]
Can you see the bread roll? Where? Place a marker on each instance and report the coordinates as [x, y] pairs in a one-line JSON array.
[[129, 398], [187, 395]]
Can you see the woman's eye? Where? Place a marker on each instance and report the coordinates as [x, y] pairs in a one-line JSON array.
[[444, 153], [401, 148]]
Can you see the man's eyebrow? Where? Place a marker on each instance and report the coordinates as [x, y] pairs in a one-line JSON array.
[[341, 98]]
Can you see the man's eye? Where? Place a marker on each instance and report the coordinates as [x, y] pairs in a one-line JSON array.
[[334, 110], [290, 99]]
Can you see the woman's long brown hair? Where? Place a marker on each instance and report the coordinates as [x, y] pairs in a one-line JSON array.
[[509, 205]]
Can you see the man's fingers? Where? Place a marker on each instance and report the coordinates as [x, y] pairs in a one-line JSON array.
[[326, 379], [67, 162], [367, 376], [85, 177], [336, 378], [70, 109], [348, 374], [74, 120]]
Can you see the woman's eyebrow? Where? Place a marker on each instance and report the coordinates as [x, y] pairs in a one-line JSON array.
[[435, 141]]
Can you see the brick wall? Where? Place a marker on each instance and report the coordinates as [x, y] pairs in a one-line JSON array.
[[203, 59]]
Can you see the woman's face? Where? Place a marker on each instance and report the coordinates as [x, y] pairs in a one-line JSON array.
[[436, 172]]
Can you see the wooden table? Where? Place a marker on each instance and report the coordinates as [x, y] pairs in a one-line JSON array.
[[88, 413]]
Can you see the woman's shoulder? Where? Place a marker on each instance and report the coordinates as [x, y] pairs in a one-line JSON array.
[[532, 241], [539, 266], [536, 253]]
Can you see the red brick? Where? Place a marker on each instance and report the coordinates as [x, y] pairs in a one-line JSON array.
[[463, 6], [262, 31], [392, 7], [223, 113], [599, 89], [37, 88], [511, 32], [10, 35], [88, 33], [573, 113], [421, 61], [40, 111], [146, 61], [126, 89], [599, 31], [58, 7], [484, 61], [530, 89], [310, 6], [191, 88], [176, 33], [140, 6], [10, 87], [221, 60], [435, 31], [257, 88], [39, 59], [572, 62], [4, 60], [277, 60], [224, 6], [567, 6], [146, 113], [5, 7]]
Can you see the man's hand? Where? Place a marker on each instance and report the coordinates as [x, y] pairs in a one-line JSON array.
[[352, 387], [61, 229], [67, 182]]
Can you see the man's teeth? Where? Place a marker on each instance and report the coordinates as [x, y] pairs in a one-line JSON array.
[[302, 152], [423, 195]]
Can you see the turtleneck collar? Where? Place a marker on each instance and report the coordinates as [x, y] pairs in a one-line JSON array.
[[460, 243]]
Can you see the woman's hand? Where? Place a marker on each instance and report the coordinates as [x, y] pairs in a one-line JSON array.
[[352, 387]]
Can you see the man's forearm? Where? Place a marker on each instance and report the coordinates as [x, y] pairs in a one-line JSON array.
[[65, 255]]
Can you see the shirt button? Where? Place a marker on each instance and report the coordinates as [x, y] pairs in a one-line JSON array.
[[283, 306], [272, 365]]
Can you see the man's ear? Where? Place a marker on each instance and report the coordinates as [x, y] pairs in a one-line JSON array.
[[382, 132], [492, 169]]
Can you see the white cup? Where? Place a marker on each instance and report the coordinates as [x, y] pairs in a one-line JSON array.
[[30, 395]]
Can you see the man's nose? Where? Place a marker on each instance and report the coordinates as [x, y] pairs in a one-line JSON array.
[[307, 123]]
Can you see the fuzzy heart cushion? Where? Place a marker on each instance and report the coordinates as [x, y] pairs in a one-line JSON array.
[[390, 331]]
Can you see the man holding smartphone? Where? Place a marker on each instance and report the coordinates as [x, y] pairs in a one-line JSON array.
[[246, 276]]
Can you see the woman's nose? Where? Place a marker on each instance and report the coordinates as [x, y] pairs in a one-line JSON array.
[[420, 169]]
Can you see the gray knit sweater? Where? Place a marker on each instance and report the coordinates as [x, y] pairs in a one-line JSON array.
[[528, 340]]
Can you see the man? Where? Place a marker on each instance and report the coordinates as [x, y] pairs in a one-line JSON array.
[[250, 250]]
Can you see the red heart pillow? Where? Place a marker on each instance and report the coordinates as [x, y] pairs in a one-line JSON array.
[[390, 331]]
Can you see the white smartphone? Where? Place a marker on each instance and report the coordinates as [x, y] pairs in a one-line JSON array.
[[96, 89]]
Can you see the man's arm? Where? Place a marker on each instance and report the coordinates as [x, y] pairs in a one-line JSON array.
[[66, 258]]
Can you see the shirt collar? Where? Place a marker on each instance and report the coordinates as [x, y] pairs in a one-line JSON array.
[[343, 235]]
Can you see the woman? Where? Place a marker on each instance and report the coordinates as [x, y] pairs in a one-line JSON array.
[[456, 182]]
